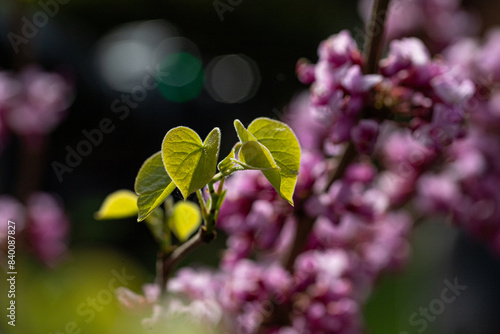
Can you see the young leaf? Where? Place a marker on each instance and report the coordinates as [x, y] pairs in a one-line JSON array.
[[153, 185], [185, 219], [281, 142], [285, 149], [120, 204], [189, 162], [254, 155]]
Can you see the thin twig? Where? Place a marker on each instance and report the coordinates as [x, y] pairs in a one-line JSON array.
[[167, 262], [350, 153], [375, 33], [304, 227]]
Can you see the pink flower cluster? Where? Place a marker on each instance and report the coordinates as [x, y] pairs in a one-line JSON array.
[[32, 103], [340, 90], [426, 93]]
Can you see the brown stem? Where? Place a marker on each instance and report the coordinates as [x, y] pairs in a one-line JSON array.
[[167, 262], [348, 156], [372, 51], [304, 227], [375, 33]]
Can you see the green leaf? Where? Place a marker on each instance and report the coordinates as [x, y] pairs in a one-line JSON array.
[[185, 219], [153, 185], [189, 162], [254, 155], [284, 147], [120, 204]]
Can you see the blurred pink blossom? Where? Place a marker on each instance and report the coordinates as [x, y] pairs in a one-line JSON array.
[[48, 228]]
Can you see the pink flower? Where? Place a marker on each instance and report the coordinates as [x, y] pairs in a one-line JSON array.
[[34, 102]]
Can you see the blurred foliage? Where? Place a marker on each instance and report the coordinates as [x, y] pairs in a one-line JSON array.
[[79, 291]]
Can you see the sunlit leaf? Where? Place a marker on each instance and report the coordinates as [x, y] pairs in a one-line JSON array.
[[120, 204], [185, 219], [153, 185], [284, 147], [189, 162]]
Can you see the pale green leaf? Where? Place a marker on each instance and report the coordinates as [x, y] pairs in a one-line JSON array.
[[153, 185], [185, 219], [285, 149], [120, 204], [189, 162]]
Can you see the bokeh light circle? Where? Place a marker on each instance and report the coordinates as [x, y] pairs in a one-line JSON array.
[[124, 55], [131, 54], [232, 78], [180, 77]]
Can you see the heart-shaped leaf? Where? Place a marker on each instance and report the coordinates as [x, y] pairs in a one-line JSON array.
[[117, 205], [189, 162], [284, 147], [185, 219], [153, 185]]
